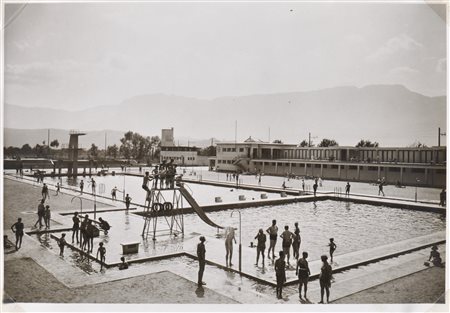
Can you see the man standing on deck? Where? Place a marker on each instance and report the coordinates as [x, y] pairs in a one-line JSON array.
[[201, 252], [273, 233], [315, 188], [40, 212], [280, 270]]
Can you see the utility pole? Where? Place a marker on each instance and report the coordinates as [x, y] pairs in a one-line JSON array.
[[439, 136], [235, 134], [48, 137], [105, 143], [309, 139]]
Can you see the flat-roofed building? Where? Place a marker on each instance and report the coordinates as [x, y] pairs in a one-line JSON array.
[[423, 166]]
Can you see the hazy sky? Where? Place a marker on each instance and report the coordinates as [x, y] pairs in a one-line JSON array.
[[76, 56]]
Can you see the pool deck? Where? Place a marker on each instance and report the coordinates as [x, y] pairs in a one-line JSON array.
[[340, 262], [215, 254]]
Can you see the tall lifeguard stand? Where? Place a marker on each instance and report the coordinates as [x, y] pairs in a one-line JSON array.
[[72, 168], [170, 210]]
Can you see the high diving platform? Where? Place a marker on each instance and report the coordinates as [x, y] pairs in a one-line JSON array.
[[167, 204]]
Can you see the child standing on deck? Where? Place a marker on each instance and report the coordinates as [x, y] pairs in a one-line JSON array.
[[333, 247], [62, 243], [102, 251]]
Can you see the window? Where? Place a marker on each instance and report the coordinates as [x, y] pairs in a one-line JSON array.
[[317, 165], [325, 166], [335, 167], [273, 163], [373, 168], [442, 172], [241, 149], [417, 170], [394, 169], [233, 149], [352, 167], [308, 165], [294, 165]]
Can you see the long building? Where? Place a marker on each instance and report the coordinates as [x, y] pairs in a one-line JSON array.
[[408, 166]]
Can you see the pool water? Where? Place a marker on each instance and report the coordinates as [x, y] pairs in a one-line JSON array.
[[203, 194], [353, 226]]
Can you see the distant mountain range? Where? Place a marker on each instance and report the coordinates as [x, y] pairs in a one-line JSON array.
[[389, 114]]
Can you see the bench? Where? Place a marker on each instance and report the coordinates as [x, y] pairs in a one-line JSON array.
[[130, 247]]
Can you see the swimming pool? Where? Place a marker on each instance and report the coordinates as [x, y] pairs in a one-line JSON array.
[[203, 194], [353, 226]]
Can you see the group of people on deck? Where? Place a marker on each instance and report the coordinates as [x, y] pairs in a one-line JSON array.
[[288, 239], [302, 268]]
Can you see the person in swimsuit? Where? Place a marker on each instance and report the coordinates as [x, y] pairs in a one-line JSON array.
[[58, 188], [47, 216], [75, 227], [90, 235], [127, 201], [261, 245], [40, 212], [17, 228], [280, 270], [273, 234], [380, 188], [333, 247], [93, 185], [287, 236], [303, 273], [325, 278], [201, 252], [123, 265], [62, 243], [296, 241], [229, 238], [435, 256], [347, 189], [102, 251], [83, 235], [45, 193], [81, 186], [114, 194]]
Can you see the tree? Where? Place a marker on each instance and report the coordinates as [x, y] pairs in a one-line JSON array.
[[304, 143], [367, 144], [93, 151], [112, 151], [38, 149], [208, 151], [328, 143], [26, 149], [277, 141], [136, 146], [54, 143]]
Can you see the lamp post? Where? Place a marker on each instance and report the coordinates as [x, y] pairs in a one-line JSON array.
[[240, 237], [81, 202]]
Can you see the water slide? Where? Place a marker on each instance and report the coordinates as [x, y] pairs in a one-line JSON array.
[[197, 208]]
